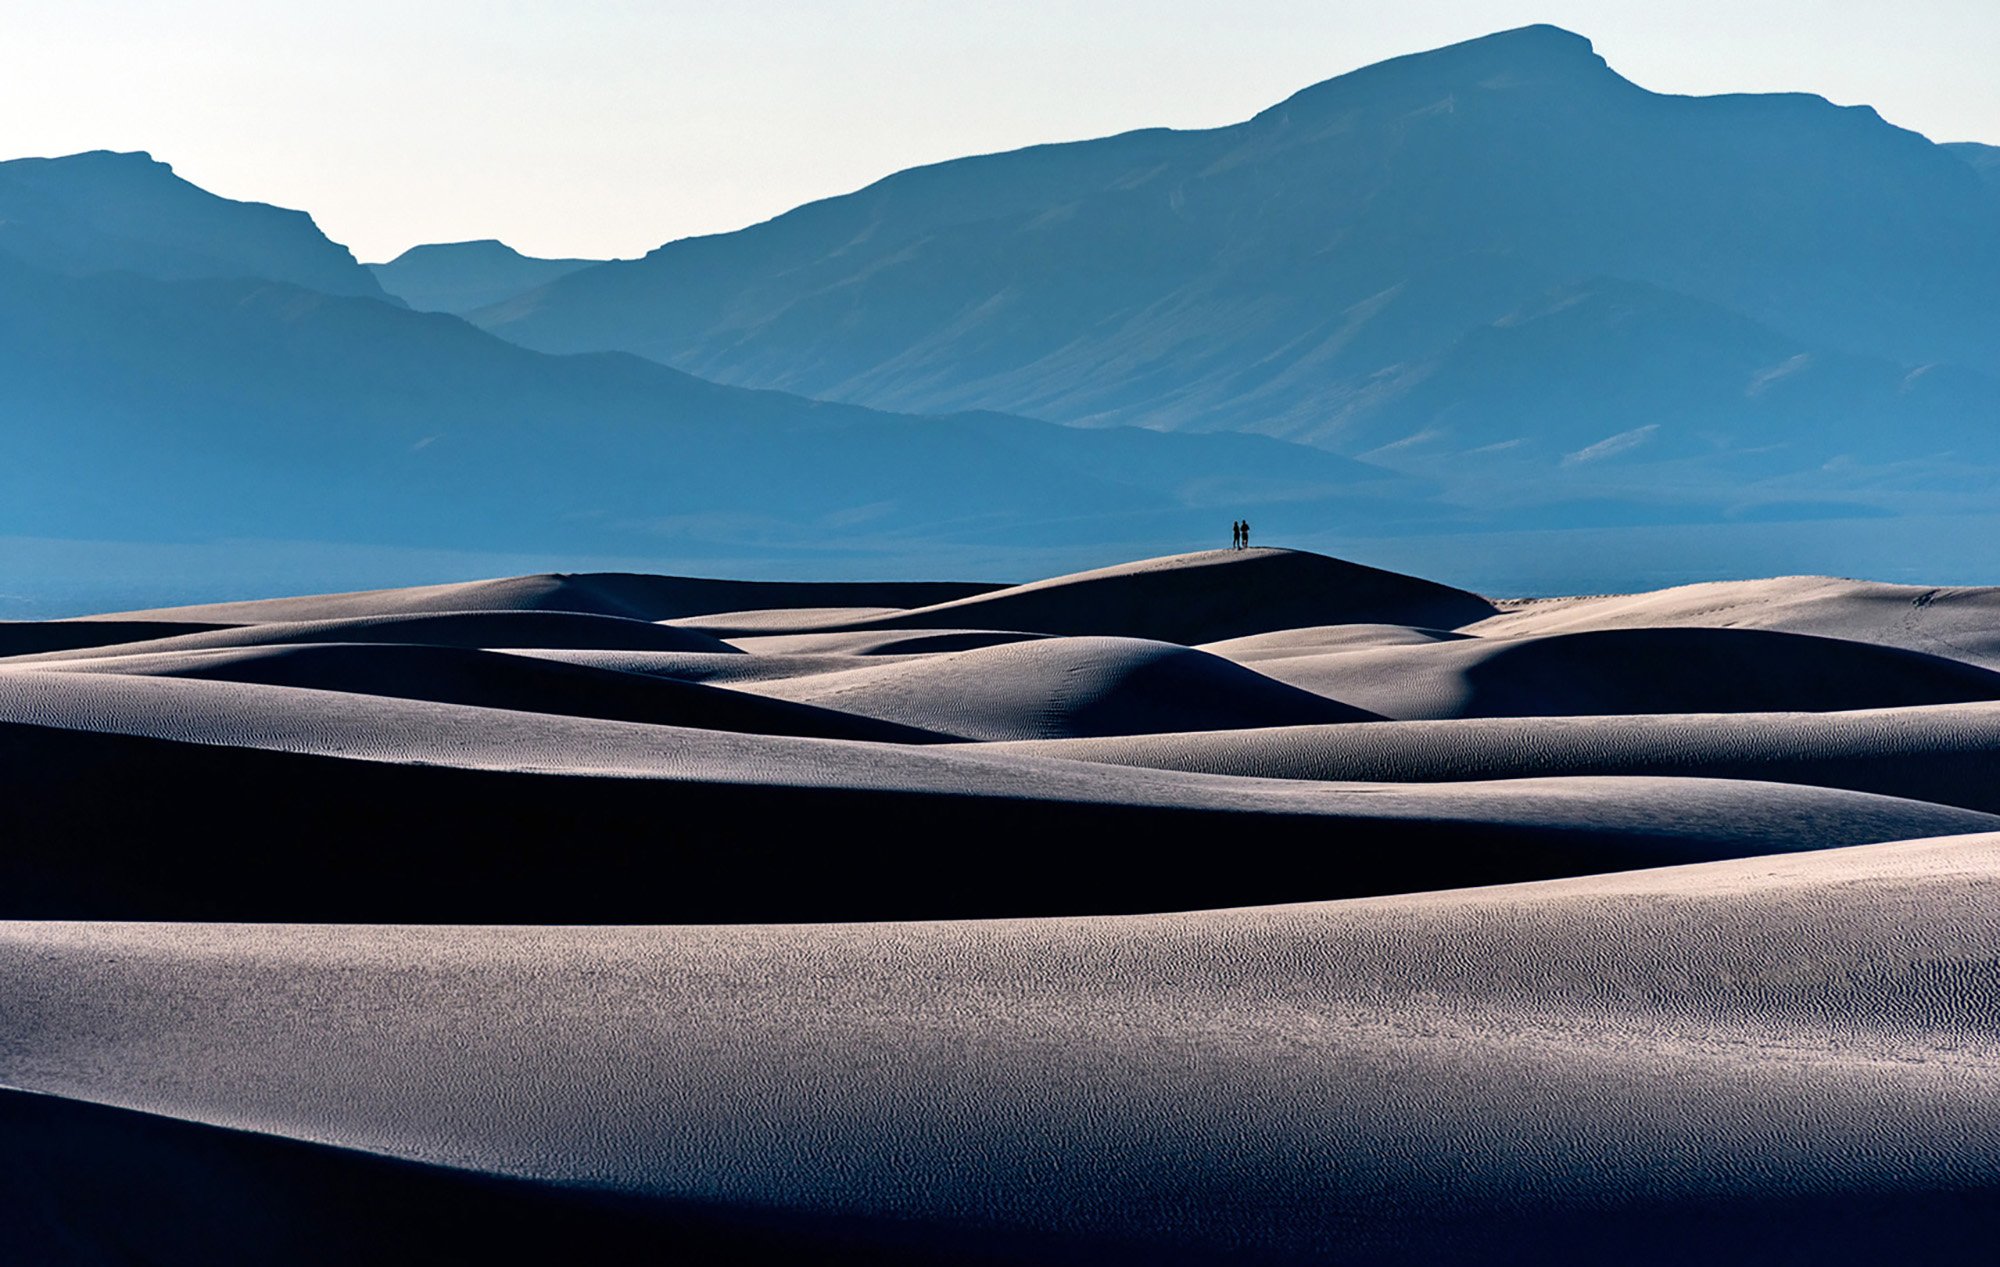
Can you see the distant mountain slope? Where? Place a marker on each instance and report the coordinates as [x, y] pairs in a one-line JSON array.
[[461, 276], [1606, 374], [105, 212], [1985, 160], [141, 410], [1294, 273]]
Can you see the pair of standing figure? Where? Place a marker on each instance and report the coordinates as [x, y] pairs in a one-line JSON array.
[[1239, 534]]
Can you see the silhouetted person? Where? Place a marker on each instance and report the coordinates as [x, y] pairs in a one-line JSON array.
[[1236, 534], [1246, 534]]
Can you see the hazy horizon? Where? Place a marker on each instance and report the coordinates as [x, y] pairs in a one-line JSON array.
[[595, 130]]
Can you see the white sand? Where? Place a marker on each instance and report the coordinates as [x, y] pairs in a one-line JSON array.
[[1402, 1071], [1788, 1047]]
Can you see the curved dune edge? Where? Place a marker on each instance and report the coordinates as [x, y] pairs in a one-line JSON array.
[[632, 595], [500, 680], [1204, 597], [421, 810], [1753, 1051], [1960, 623], [1054, 687], [91, 1183], [472, 630], [1946, 753], [1617, 671]]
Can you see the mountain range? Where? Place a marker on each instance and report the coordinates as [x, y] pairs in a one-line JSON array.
[[462, 276], [140, 409], [1343, 268], [1494, 286]]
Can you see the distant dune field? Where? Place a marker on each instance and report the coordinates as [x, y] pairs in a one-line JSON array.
[[1244, 906]]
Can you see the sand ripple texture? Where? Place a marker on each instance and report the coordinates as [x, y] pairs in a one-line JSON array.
[[1650, 1064]]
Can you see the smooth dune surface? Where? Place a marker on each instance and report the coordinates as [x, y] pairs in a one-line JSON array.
[[437, 629], [1241, 906], [628, 594], [1673, 670], [1947, 753], [1284, 643], [1064, 687], [877, 642], [722, 668], [1204, 597], [495, 679], [1958, 622]]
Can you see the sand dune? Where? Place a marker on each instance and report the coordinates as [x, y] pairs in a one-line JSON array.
[[1963, 624], [1612, 671], [1319, 639], [1946, 753], [877, 642], [728, 669], [1063, 687], [492, 679], [95, 1184], [437, 629], [1192, 598], [637, 596], [1694, 1064], [33, 637], [780, 620], [426, 810], [557, 923]]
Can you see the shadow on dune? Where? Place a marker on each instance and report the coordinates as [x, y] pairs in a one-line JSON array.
[[1712, 670], [1634, 671], [1945, 754], [118, 827], [85, 1185], [39, 637], [494, 679]]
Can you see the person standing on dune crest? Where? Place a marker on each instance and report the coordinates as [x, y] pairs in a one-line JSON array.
[[1236, 534], [1243, 533]]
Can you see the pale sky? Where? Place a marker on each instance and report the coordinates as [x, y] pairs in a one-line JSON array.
[[606, 127]]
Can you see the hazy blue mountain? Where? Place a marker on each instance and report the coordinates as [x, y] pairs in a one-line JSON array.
[[1609, 369], [135, 409], [461, 276], [1301, 273], [1985, 160], [107, 212]]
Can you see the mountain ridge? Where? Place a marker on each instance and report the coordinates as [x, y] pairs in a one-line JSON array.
[[1237, 278], [230, 408], [458, 277], [109, 211]]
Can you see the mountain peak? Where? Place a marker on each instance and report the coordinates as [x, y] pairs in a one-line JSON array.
[[1537, 47], [126, 211], [95, 162], [1529, 55], [476, 248], [459, 277]]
